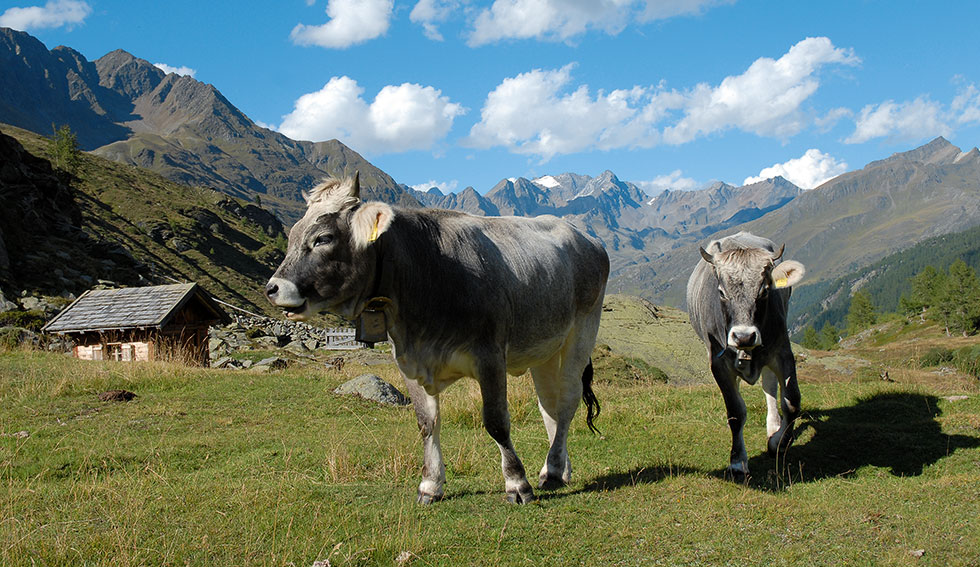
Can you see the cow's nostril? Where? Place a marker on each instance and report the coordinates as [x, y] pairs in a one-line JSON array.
[[271, 290]]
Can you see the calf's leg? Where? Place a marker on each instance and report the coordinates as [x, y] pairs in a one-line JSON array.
[[725, 377], [783, 380], [492, 377]]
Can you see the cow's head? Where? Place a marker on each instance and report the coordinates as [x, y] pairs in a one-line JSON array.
[[746, 278], [329, 264]]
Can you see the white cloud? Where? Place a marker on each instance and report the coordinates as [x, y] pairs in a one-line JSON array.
[[663, 9], [812, 169], [966, 105], [765, 99], [429, 13], [54, 14], [541, 113], [179, 70], [532, 114], [562, 20], [916, 119], [351, 22], [675, 181], [902, 121], [401, 118], [445, 187]]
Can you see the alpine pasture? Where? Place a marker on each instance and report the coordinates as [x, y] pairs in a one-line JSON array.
[[229, 467]]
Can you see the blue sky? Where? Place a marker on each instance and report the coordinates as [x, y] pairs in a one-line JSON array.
[[665, 93]]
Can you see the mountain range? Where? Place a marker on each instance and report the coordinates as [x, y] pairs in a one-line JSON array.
[[125, 109], [128, 110]]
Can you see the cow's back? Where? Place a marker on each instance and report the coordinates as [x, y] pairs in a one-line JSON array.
[[504, 279]]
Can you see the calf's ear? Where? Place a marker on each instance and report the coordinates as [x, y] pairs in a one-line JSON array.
[[370, 221], [706, 255], [788, 273]]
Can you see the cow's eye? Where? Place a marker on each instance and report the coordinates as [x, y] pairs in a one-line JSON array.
[[722, 294], [323, 239]]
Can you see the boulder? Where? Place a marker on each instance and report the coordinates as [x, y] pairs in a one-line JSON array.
[[273, 363], [371, 387]]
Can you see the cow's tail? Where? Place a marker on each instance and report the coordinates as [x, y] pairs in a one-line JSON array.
[[588, 396]]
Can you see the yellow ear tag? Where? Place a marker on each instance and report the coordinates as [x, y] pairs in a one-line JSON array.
[[374, 231], [781, 283]]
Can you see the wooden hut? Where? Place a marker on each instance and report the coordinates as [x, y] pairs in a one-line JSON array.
[[141, 323]]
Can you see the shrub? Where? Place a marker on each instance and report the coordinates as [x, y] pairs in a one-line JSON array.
[[968, 360], [32, 320], [935, 357]]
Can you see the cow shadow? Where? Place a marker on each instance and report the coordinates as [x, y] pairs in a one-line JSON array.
[[897, 431]]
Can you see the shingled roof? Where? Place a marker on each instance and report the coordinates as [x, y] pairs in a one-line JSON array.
[[130, 308]]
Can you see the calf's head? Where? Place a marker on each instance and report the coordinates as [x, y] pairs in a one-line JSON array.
[[746, 278], [329, 264]]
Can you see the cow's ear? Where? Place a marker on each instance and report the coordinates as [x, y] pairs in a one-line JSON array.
[[787, 273], [370, 221]]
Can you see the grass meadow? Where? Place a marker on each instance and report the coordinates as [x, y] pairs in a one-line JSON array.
[[223, 467]]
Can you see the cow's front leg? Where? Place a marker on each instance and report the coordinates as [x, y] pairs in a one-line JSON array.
[[727, 381], [433, 469], [780, 430], [496, 419]]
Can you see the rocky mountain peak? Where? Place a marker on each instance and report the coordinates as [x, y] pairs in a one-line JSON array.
[[939, 152], [128, 75]]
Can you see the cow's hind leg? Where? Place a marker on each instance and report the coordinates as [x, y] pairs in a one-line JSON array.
[[559, 385], [738, 465], [558, 399], [496, 419], [433, 469], [779, 429]]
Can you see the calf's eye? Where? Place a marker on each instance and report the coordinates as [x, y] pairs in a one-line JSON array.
[[323, 239]]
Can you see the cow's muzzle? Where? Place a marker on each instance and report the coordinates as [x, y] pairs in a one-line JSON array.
[[284, 293]]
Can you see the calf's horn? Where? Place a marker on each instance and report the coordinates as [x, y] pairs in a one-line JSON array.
[[780, 253]]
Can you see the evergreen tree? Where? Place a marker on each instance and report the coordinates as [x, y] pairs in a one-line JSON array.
[[927, 287], [810, 337], [64, 151], [861, 314], [829, 336], [963, 298]]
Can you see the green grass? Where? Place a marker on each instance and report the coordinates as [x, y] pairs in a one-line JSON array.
[[218, 467]]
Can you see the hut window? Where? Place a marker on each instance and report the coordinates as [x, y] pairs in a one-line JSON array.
[[127, 352], [97, 353]]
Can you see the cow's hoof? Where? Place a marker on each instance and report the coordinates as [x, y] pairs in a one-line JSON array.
[[551, 483], [521, 496], [426, 499]]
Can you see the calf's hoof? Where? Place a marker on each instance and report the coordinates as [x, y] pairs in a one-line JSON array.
[[738, 472], [779, 443], [425, 499], [551, 483]]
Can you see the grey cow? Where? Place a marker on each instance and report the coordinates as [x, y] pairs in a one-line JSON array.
[[737, 298], [462, 296]]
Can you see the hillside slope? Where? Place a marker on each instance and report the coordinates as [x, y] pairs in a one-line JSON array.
[[134, 227]]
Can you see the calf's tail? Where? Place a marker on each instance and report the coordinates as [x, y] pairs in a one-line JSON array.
[[588, 396]]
